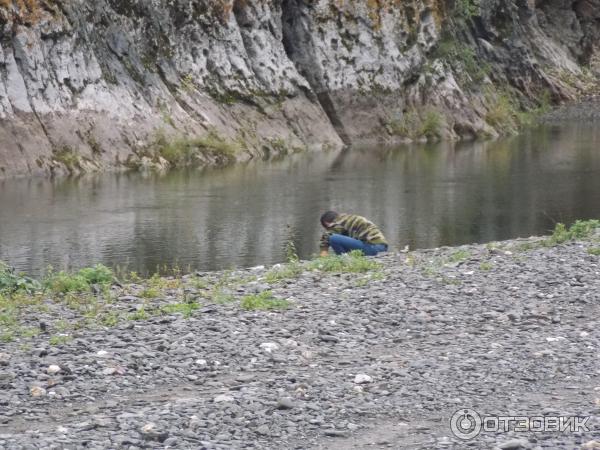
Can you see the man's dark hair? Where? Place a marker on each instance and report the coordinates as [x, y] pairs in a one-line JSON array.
[[328, 217]]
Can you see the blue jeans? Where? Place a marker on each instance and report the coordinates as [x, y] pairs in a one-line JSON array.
[[344, 244]]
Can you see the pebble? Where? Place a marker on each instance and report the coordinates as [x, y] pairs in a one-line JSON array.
[[335, 433], [285, 403], [514, 444], [37, 391], [4, 359], [362, 378], [263, 430], [53, 369], [269, 347], [223, 398]]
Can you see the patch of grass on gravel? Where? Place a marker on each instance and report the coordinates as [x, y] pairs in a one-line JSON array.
[[263, 301], [220, 296], [64, 282], [367, 279], [140, 314], [184, 308], [284, 272], [579, 230], [11, 282], [458, 256], [486, 266], [594, 251], [353, 262], [150, 292], [59, 339]]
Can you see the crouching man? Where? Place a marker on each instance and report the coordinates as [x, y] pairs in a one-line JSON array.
[[347, 232]]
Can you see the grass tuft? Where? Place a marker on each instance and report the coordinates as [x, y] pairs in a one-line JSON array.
[[184, 308], [263, 301], [579, 230], [81, 281], [181, 152], [353, 262]]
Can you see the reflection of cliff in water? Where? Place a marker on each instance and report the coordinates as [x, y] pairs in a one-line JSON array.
[[422, 195]]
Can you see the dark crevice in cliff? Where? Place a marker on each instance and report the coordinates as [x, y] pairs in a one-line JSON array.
[[299, 48]]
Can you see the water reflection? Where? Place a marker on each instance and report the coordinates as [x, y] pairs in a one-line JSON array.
[[421, 195]]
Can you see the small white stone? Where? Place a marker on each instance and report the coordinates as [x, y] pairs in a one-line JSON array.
[[102, 354], [201, 362], [358, 389], [584, 334], [109, 371], [148, 428], [62, 430], [307, 354], [362, 378], [223, 398], [269, 347], [37, 391], [555, 339], [53, 369]]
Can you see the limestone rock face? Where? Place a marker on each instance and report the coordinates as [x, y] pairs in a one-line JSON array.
[[90, 85]]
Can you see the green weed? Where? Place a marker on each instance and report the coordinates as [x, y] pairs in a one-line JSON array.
[[579, 230], [263, 301], [150, 292], [11, 282], [110, 319], [183, 151], [140, 314], [185, 308], [59, 339], [67, 156], [284, 272], [81, 281], [458, 256], [366, 280], [594, 251], [413, 125], [353, 262], [470, 68], [486, 266], [219, 295]]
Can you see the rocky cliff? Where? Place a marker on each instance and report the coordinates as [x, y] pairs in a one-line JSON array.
[[90, 85]]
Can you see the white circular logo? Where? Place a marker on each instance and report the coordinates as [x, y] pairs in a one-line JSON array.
[[465, 424]]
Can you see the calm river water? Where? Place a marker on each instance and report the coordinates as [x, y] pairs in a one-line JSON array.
[[421, 195]]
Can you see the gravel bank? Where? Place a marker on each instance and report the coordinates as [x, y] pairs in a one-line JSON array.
[[380, 359], [585, 110]]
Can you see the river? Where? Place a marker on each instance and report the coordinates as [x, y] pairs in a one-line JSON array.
[[425, 195]]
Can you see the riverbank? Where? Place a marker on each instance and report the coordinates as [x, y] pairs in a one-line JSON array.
[[332, 353]]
